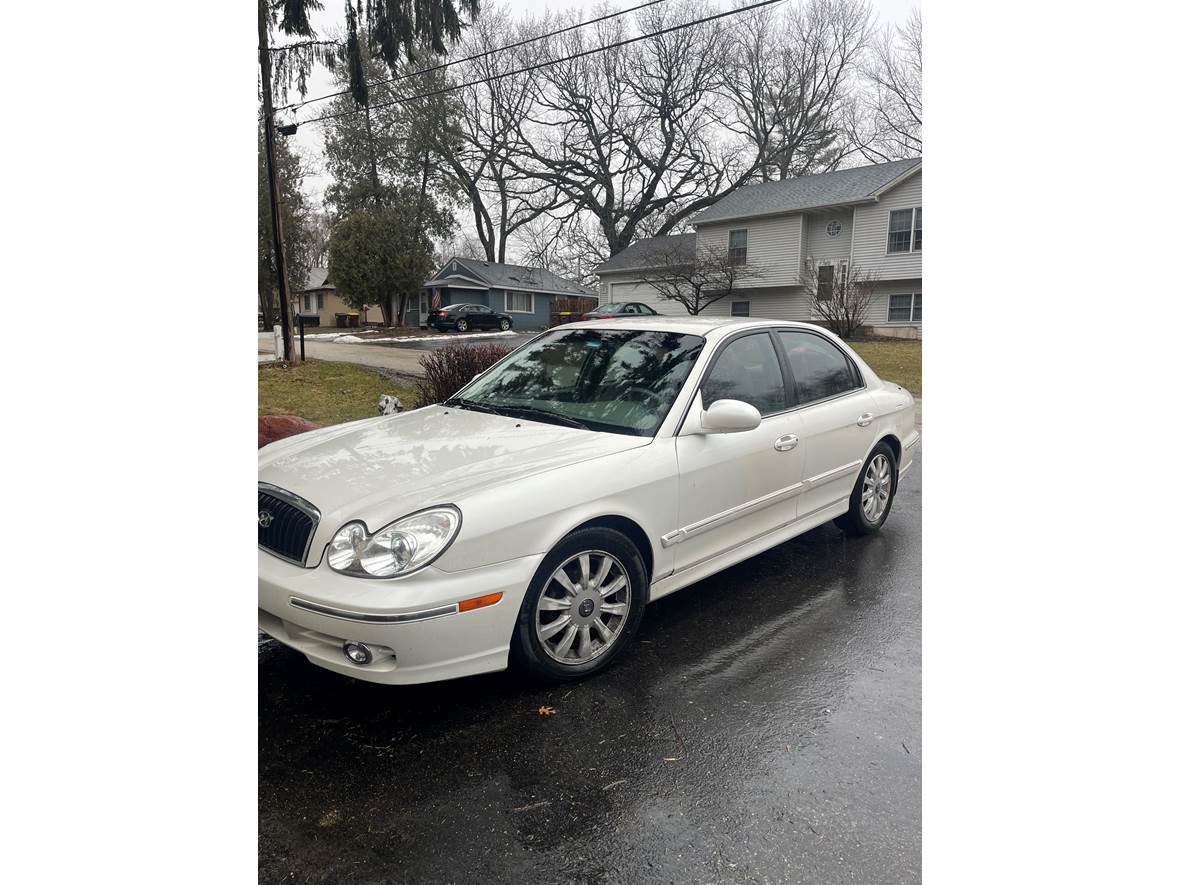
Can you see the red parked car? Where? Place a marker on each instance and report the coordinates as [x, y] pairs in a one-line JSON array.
[[622, 309]]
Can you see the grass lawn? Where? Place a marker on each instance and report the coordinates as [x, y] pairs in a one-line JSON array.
[[323, 392], [899, 361]]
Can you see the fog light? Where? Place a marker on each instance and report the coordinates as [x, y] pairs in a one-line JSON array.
[[358, 653]]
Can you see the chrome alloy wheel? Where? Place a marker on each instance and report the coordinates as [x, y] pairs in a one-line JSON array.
[[583, 607], [874, 494]]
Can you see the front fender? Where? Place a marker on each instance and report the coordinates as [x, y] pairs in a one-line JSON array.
[[533, 514]]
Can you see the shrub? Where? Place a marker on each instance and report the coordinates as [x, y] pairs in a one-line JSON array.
[[449, 368]]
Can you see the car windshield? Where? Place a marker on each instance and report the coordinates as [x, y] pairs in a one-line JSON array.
[[617, 380], [606, 308]]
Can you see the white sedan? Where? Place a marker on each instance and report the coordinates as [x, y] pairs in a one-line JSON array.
[[531, 518]]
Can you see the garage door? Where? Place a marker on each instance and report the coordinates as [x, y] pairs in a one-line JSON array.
[[644, 294]]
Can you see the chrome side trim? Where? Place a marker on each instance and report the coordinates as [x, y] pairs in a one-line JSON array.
[[373, 617], [726, 516], [835, 473], [913, 442]]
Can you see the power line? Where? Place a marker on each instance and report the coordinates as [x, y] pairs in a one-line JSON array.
[[477, 56], [544, 64]]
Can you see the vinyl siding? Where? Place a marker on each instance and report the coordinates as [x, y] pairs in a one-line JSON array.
[[538, 319], [334, 304], [878, 312], [824, 249], [871, 224], [772, 245], [777, 303]]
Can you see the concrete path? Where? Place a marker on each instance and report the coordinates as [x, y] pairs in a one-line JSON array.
[[390, 359]]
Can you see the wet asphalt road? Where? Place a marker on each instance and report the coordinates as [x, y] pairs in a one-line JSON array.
[[766, 727]]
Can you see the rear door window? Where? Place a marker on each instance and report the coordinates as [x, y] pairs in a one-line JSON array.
[[820, 368]]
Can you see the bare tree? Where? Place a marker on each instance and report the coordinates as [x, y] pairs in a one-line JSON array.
[[632, 135], [695, 283], [571, 246], [887, 121], [319, 231], [790, 80], [486, 133], [840, 297]]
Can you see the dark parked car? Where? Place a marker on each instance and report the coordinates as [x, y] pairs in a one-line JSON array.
[[623, 309], [462, 317]]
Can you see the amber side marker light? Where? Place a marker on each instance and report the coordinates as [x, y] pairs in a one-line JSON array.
[[480, 602]]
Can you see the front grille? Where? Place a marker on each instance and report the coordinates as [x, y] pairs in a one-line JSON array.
[[290, 523]]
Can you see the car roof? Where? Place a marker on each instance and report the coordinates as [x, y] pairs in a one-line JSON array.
[[685, 325]]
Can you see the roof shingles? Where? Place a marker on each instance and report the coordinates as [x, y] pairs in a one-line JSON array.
[[642, 252], [807, 192], [517, 276]]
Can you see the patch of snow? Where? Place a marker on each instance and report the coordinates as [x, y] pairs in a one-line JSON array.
[[457, 337], [266, 357], [354, 338]]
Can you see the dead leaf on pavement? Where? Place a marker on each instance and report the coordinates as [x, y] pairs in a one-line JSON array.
[[546, 711]]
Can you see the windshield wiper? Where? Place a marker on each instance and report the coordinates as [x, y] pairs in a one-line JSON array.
[[472, 405], [544, 415]]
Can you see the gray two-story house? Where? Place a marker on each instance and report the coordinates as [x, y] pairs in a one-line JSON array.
[[869, 217], [527, 294]]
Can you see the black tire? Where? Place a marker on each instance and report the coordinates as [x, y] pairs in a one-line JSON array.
[[505, 325], [461, 325], [528, 651], [856, 521]]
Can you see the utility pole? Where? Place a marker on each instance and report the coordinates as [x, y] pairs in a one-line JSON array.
[[268, 118]]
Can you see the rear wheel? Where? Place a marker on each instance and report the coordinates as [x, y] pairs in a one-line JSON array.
[[461, 325], [872, 496], [583, 606]]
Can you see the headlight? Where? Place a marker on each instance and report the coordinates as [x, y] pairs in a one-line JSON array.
[[401, 547]]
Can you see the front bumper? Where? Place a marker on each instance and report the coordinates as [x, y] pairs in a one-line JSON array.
[[409, 623]]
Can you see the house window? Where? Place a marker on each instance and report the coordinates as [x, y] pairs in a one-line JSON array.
[[825, 275], [905, 308], [518, 302], [307, 304], [905, 230], [739, 309], [737, 246]]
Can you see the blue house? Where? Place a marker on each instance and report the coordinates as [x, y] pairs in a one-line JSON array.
[[527, 294]]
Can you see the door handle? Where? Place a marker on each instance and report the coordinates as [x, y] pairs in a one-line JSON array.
[[786, 443], [865, 420]]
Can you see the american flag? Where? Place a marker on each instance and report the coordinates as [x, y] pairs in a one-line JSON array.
[[435, 299]]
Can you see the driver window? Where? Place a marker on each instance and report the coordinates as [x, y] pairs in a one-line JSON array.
[[747, 370]]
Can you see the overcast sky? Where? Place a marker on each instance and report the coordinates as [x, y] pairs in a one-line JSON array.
[[309, 139]]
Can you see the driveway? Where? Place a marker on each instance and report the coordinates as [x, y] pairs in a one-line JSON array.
[[766, 726]]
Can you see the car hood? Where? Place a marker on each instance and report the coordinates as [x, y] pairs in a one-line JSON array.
[[380, 469]]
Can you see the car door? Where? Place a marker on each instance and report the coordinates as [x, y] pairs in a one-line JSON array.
[[477, 316], [735, 487], [837, 417]]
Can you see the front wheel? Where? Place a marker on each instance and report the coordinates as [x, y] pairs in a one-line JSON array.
[[872, 496], [505, 325], [583, 606]]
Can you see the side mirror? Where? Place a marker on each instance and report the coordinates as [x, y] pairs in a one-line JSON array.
[[729, 416]]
